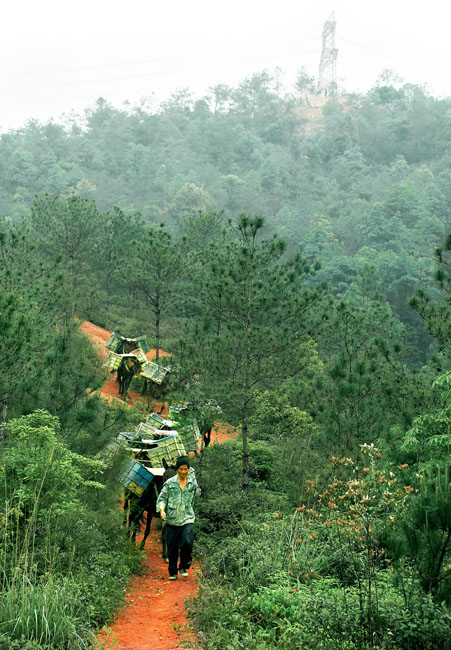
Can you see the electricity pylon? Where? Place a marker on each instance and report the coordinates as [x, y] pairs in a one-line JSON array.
[[327, 79]]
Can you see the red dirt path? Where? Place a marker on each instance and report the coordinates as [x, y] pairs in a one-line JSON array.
[[153, 604]]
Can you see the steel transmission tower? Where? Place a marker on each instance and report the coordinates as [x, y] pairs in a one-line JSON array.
[[327, 79]]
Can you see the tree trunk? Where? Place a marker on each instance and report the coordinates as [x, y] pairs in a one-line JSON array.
[[433, 582], [245, 457], [157, 331], [4, 415]]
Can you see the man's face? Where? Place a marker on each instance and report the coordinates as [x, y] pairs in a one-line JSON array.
[[182, 471]]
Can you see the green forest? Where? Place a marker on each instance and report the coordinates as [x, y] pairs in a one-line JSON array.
[[294, 254]]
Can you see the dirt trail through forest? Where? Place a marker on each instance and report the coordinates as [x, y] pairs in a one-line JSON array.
[[154, 616]]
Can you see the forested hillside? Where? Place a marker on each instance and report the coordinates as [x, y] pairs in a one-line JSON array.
[[367, 188], [298, 269]]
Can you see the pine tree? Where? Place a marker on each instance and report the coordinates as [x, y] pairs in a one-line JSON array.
[[255, 309], [152, 274], [437, 314]]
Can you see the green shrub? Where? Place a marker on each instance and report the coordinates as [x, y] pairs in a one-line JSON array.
[[317, 578], [56, 521], [266, 546], [40, 476], [423, 624], [6, 643], [319, 616], [100, 587]]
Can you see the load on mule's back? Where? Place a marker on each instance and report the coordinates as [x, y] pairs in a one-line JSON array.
[[122, 345], [158, 382], [127, 356], [141, 488]]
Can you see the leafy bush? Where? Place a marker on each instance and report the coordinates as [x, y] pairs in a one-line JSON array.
[[224, 504], [422, 624], [57, 521], [223, 500], [6, 643], [40, 474], [265, 547], [319, 616], [100, 586], [317, 577]]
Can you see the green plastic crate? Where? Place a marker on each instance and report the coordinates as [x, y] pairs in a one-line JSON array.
[[175, 445], [175, 411], [139, 354], [157, 455], [111, 450], [115, 341], [142, 344], [146, 429], [190, 435], [129, 436], [160, 422], [135, 477], [113, 361], [154, 372]]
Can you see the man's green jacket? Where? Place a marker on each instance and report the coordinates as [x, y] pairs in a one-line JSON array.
[[178, 503]]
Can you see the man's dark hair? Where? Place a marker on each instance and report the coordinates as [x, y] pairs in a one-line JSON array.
[[183, 460]]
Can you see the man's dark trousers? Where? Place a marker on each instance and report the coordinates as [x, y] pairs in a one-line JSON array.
[[179, 538]]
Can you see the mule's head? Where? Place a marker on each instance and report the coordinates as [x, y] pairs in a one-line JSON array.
[[129, 346], [133, 366], [169, 470]]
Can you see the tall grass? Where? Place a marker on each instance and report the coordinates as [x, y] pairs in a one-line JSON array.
[[42, 610]]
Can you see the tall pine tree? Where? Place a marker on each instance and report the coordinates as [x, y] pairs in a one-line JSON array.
[[255, 309]]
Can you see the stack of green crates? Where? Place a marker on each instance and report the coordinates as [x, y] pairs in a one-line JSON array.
[[190, 435], [139, 354], [146, 429], [129, 436], [113, 448], [160, 422], [174, 411], [157, 455], [159, 434], [113, 360], [135, 477], [116, 341], [154, 372], [175, 445], [188, 429], [142, 344]]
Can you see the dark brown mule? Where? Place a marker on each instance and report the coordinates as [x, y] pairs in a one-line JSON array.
[[130, 367], [137, 509]]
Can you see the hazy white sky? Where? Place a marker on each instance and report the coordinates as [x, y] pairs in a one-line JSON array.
[[57, 56]]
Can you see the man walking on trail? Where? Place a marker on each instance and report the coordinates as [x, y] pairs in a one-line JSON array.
[[175, 504]]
